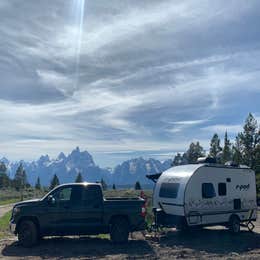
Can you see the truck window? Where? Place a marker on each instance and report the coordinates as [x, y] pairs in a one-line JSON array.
[[169, 190], [76, 195], [222, 189], [208, 191], [63, 194], [92, 195]]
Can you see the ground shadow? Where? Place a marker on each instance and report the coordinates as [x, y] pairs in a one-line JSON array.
[[87, 247], [213, 241]]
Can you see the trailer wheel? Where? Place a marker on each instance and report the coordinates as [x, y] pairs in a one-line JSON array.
[[183, 226], [234, 224], [27, 233], [119, 230]]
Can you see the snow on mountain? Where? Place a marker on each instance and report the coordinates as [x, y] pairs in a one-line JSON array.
[[68, 167]]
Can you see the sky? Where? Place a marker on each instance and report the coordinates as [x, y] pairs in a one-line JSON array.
[[122, 79]]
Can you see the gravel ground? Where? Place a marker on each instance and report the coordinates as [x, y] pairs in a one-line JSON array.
[[214, 243]]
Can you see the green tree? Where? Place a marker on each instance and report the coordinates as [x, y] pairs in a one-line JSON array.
[[215, 146], [4, 179], [194, 152], [250, 139], [20, 178], [114, 187], [227, 152], [38, 184], [103, 184], [257, 166], [54, 182], [138, 186], [178, 160], [79, 178], [237, 150]]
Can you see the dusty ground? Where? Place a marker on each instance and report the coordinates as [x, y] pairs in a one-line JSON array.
[[4, 209], [212, 243]]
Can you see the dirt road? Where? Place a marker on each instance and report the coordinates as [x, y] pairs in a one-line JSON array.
[[5, 208], [214, 243]]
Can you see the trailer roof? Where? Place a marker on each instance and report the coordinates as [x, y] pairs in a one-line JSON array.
[[182, 170]]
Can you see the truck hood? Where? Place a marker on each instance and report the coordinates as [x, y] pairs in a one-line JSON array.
[[27, 202]]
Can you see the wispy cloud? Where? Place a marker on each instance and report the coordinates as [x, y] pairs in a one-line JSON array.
[[233, 129], [153, 75]]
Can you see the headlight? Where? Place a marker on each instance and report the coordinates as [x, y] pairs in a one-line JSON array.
[[16, 210]]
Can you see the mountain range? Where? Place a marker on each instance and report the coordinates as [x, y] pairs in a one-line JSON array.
[[68, 167]]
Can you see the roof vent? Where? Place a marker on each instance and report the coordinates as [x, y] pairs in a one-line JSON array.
[[206, 160], [231, 164]]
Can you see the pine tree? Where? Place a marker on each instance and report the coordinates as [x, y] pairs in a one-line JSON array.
[[257, 164], [38, 184], [237, 150], [4, 179], [227, 153], [20, 179], [194, 152], [138, 186], [250, 138], [54, 182], [214, 146], [177, 160], [103, 184], [114, 187], [79, 178]]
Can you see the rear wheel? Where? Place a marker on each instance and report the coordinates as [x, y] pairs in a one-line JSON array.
[[27, 233], [119, 230], [234, 225]]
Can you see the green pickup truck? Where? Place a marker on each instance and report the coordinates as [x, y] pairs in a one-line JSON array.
[[77, 209]]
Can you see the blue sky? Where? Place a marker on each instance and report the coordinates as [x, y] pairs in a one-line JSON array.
[[125, 78]]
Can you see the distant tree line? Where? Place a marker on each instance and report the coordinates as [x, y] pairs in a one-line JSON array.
[[19, 182]]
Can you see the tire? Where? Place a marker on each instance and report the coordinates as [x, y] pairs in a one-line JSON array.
[[234, 225], [183, 226], [27, 233], [119, 230]]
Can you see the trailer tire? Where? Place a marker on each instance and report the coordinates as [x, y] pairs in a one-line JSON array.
[[27, 233], [234, 224], [119, 231], [183, 226]]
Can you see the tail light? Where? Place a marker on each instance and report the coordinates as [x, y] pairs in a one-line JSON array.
[[143, 211]]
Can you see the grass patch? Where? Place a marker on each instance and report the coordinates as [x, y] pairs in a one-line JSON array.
[[9, 201], [4, 225]]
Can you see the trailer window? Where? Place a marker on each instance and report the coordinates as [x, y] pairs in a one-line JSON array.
[[208, 191], [222, 189], [169, 190]]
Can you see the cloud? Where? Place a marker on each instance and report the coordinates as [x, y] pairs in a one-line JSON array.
[[221, 129], [152, 75]]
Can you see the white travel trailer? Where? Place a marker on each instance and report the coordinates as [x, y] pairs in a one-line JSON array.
[[205, 194]]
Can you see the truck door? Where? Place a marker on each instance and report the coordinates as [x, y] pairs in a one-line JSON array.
[[92, 208], [85, 211], [56, 214]]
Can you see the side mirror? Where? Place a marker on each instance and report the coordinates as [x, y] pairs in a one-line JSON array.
[[51, 200]]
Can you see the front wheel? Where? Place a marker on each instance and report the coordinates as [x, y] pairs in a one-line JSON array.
[[27, 233], [119, 230], [234, 225]]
